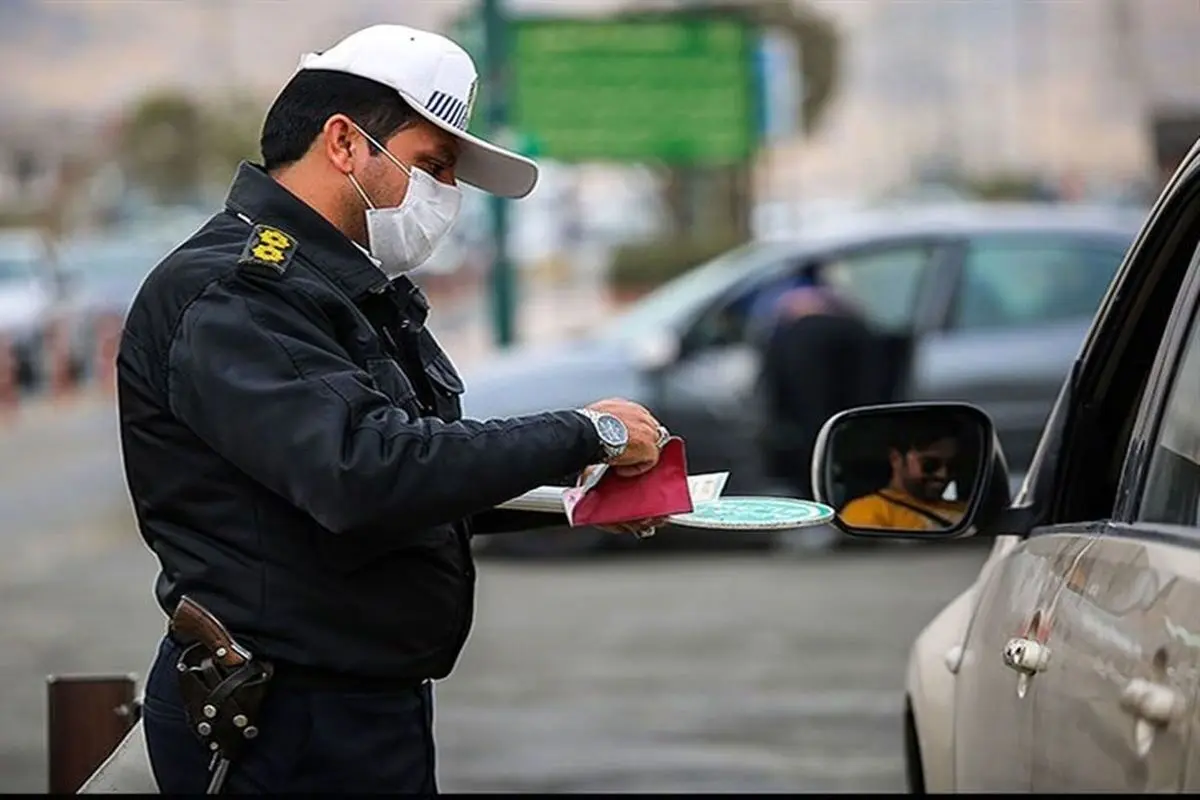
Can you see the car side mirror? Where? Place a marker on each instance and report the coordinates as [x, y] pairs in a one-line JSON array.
[[911, 471]]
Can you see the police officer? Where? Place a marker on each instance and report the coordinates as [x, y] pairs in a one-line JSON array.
[[291, 432]]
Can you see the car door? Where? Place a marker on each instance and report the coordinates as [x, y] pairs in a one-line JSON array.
[[1112, 708], [707, 395], [1021, 308], [1016, 717], [1115, 704], [994, 702], [1117, 713]]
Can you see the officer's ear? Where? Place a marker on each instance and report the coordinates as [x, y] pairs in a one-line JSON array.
[[342, 143]]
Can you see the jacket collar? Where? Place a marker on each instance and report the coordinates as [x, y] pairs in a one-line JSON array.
[[256, 195]]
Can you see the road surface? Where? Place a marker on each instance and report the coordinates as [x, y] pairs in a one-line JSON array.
[[644, 672]]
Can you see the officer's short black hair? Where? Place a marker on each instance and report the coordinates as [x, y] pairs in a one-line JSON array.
[[312, 96]]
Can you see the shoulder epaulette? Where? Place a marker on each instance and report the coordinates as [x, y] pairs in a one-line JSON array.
[[268, 247]]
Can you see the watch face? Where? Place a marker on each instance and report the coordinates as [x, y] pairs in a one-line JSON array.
[[612, 431]]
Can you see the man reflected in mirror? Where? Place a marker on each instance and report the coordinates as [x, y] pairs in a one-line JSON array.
[[922, 492]]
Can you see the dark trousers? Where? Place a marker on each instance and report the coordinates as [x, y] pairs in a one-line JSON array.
[[309, 741]]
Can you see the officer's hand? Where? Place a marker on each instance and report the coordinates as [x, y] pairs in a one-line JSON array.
[[645, 434]]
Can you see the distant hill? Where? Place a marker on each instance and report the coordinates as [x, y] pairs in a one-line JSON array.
[[93, 56], [1057, 85]]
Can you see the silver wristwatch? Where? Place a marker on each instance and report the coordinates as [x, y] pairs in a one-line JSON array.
[[614, 436]]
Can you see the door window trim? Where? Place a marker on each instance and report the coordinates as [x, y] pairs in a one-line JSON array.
[[1182, 331], [1056, 479]]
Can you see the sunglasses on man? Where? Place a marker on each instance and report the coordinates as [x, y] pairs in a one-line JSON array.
[[932, 464]]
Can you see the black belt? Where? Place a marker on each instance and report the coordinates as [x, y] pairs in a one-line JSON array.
[[303, 676]]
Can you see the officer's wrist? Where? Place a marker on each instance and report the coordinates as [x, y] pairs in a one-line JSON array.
[[590, 436]]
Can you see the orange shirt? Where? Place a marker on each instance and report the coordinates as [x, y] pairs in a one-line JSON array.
[[877, 511]]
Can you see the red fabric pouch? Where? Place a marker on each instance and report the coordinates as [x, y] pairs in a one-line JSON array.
[[608, 498]]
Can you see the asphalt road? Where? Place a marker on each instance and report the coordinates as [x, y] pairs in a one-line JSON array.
[[645, 672]]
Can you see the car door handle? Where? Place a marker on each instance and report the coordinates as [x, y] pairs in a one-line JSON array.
[[954, 658], [1026, 656], [1155, 703], [1153, 706]]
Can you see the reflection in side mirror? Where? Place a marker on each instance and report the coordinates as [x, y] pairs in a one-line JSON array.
[[912, 470]]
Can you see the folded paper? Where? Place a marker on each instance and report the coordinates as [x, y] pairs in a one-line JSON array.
[[704, 488]]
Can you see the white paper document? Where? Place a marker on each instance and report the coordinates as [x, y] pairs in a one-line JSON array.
[[706, 488], [549, 499]]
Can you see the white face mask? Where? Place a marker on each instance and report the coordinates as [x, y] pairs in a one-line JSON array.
[[403, 238]]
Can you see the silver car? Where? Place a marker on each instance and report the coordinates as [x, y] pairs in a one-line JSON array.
[[1073, 661], [995, 300], [30, 300]]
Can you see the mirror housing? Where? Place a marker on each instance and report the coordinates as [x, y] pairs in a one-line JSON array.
[[912, 471]]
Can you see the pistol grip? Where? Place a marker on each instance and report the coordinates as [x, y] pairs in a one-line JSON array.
[[192, 622]]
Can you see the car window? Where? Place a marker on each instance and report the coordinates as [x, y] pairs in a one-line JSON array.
[[741, 318], [885, 282], [1171, 492], [1011, 282], [679, 299]]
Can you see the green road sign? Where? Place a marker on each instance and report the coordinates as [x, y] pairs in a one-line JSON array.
[[676, 89]]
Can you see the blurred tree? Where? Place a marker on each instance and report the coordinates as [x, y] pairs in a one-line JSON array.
[[820, 62], [232, 126], [726, 190], [174, 147], [160, 146], [817, 40], [66, 208], [1009, 186], [636, 268]]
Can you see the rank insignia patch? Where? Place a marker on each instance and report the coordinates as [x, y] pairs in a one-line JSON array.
[[269, 247]]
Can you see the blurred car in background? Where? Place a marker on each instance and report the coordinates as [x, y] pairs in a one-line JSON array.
[[994, 299], [105, 273], [102, 273], [29, 299]]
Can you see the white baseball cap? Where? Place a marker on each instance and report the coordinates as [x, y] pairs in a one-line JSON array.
[[437, 78]]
